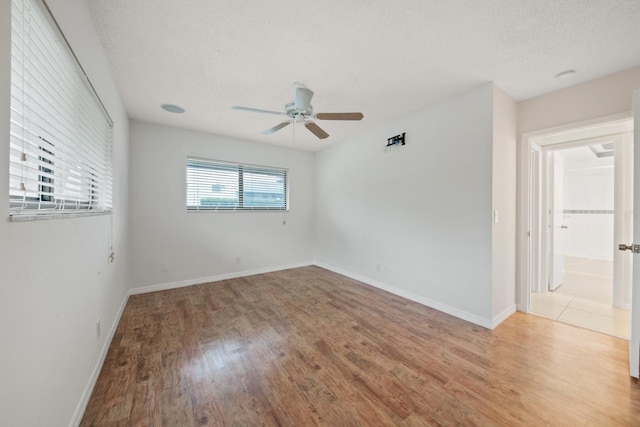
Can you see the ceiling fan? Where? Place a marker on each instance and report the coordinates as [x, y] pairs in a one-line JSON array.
[[301, 111]]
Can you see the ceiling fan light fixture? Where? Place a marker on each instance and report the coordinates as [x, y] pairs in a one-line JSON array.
[[172, 108], [566, 74]]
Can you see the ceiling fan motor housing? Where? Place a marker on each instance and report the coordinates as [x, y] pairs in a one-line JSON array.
[[297, 114]]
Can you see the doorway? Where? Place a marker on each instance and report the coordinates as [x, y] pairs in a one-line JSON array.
[[577, 211], [580, 204]]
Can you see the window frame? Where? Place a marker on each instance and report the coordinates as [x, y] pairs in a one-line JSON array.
[[242, 170], [61, 135]]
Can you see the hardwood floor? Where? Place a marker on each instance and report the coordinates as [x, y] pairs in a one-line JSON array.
[[307, 347]]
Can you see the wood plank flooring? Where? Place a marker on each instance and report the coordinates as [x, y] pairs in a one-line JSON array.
[[307, 347]]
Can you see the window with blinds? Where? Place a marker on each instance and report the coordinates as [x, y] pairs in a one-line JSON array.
[[60, 133], [221, 186]]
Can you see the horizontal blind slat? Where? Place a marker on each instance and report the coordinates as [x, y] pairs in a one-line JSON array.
[[213, 185], [60, 134]]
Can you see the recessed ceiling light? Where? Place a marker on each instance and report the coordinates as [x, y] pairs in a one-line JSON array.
[[172, 108], [565, 74]]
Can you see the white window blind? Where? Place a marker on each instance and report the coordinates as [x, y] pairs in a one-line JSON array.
[[60, 134], [213, 185]]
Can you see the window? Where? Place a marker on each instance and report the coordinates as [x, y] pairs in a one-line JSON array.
[[213, 185], [60, 134]]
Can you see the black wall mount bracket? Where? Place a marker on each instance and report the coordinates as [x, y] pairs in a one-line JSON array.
[[396, 140]]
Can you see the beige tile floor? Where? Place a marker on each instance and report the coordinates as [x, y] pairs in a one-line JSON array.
[[584, 299], [588, 278]]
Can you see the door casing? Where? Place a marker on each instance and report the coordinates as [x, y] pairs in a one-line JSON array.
[[528, 222]]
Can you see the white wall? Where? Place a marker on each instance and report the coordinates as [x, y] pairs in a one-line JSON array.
[[588, 187], [205, 245], [55, 280], [422, 211], [504, 205], [598, 98]]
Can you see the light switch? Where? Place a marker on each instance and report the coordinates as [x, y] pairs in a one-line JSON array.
[[495, 217]]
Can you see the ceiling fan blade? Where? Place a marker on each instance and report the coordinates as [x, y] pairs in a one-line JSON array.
[[257, 110], [275, 128], [316, 130], [303, 98], [339, 116]]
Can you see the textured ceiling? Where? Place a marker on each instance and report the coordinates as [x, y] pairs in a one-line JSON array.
[[385, 58]]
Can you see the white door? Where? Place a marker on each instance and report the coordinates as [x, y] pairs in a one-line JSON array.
[[558, 226], [634, 341], [623, 219]]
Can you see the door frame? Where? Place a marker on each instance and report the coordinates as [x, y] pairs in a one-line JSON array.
[[550, 210], [527, 246], [623, 166]]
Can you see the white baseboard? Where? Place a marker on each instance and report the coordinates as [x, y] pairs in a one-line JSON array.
[[200, 280], [461, 314], [86, 394], [501, 317]]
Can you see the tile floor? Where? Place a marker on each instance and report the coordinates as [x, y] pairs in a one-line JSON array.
[[584, 299]]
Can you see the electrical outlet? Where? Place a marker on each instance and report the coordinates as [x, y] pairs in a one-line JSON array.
[[382, 268], [164, 266], [98, 328]]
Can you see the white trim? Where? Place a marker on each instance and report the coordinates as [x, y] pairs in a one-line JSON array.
[[501, 317], [20, 217], [88, 390], [460, 314], [217, 278], [575, 126]]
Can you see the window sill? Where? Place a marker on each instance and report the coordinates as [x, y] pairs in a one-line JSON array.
[[21, 217], [236, 210]]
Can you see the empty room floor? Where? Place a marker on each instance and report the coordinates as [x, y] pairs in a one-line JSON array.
[[308, 347], [585, 298]]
